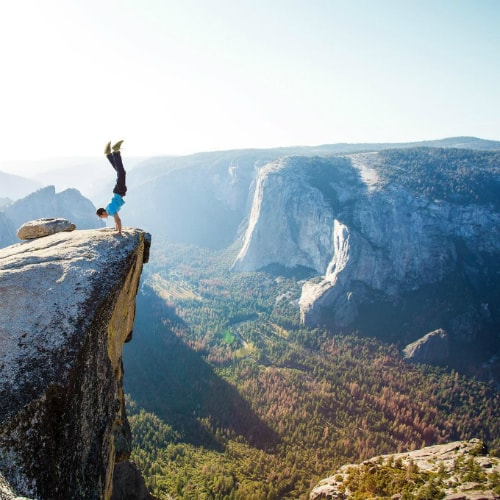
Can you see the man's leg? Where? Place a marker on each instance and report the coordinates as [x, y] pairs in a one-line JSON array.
[[117, 163], [111, 160], [109, 156]]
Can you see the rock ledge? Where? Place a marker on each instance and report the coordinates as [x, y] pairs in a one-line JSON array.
[[67, 307]]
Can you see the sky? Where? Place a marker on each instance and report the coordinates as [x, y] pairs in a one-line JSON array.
[[175, 77]]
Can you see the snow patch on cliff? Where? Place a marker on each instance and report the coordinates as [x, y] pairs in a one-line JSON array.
[[364, 163]]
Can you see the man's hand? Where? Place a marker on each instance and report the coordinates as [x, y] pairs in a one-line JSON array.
[[118, 224]]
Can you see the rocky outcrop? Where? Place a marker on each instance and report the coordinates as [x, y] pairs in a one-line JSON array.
[[67, 307], [44, 227], [460, 470], [431, 348]]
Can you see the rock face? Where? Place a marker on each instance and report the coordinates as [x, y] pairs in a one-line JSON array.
[[205, 198], [462, 470], [67, 306], [290, 222], [43, 227], [373, 241], [431, 348]]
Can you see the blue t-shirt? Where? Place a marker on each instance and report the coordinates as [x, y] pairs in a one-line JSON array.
[[115, 204]]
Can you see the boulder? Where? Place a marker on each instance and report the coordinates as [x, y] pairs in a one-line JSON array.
[[431, 348], [44, 227]]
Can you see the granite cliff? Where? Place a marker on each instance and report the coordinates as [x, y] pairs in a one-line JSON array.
[[383, 241], [67, 303]]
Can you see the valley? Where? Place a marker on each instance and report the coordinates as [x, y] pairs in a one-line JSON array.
[[230, 396]]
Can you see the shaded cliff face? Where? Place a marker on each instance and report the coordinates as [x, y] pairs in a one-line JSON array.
[[376, 240], [67, 304]]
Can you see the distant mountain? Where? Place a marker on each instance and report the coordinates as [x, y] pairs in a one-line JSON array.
[[459, 142], [14, 187], [199, 199], [205, 198], [91, 175], [46, 203]]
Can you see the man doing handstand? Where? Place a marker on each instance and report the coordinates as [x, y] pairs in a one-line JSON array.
[[120, 189]]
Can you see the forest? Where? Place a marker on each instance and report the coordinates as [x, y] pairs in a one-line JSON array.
[[454, 175], [230, 397]]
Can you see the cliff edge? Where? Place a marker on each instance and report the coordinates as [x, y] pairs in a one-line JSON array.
[[67, 304]]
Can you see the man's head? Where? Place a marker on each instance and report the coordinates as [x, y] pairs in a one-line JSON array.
[[101, 213]]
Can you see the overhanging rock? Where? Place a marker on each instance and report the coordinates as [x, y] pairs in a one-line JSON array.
[[67, 304]]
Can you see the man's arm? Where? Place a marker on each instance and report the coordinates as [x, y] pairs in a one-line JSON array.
[[118, 223]]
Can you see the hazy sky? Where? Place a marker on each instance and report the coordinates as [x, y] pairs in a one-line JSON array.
[[175, 77]]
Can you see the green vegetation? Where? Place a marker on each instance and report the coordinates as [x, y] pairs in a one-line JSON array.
[[385, 477], [454, 175], [230, 397], [384, 480]]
